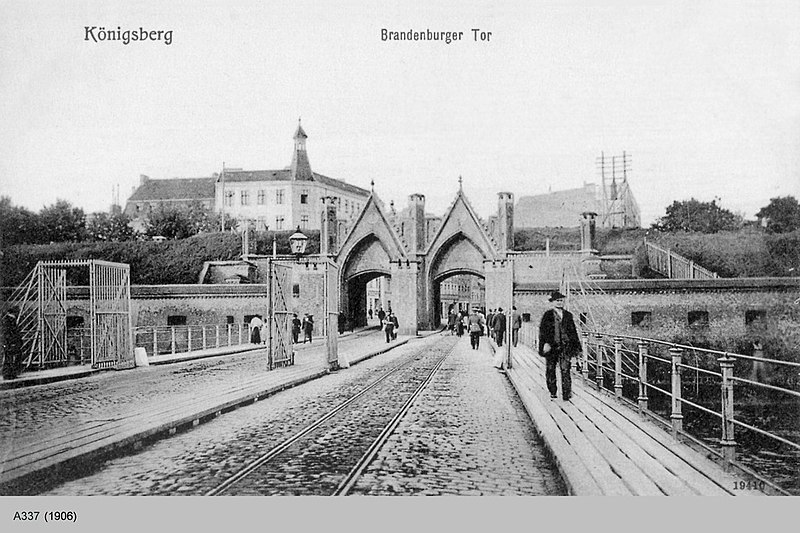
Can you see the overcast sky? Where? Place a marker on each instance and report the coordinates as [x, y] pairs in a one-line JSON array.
[[705, 96]]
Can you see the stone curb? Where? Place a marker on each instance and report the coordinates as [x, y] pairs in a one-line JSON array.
[[165, 429]]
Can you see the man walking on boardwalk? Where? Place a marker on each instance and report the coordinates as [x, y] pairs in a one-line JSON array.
[[499, 325], [476, 324], [558, 342], [516, 324]]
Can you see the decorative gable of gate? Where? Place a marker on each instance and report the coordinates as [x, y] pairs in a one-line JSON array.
[[370, 242], [461, 229]]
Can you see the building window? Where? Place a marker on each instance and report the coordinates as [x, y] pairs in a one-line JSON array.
[[74, 322], [582, 318], [755, 317], [279, 223], [176, 320], [698, 319], [245, 197], [229, 319], [641, 318], [304, 221], [279, 196], [261, 224], [526, 317], [262, 196], [229, 198], [304, 197], [296, 290]]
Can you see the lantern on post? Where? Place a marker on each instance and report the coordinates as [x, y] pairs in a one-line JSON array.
[[298, 242]]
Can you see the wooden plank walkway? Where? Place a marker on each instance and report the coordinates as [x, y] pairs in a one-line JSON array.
[[34, 458], [603, 447]]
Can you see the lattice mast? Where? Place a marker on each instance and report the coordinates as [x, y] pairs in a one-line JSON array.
[[618, 207]]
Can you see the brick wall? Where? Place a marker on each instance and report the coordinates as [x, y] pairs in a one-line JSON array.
[[665, 305]]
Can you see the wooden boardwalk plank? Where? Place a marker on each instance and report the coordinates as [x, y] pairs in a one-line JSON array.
[[609, 481], [618, 431], [577, 476], [636, 464], [602, 450], [698, 462]]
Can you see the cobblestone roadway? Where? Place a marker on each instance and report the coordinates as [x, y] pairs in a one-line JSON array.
[[38, 411], [466, 437], [466, 434], [198, 460]]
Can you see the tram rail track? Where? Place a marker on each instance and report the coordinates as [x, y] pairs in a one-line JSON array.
[[355, 472]]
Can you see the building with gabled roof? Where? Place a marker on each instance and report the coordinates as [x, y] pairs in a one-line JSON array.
[[153, 193], [287, 198], [266, 199]]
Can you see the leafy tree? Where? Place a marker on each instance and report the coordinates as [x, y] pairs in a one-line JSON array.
[[17, 224], [169, 222], [114, 227], [180, 222], [782, 214], [61, 222], [693, 215]]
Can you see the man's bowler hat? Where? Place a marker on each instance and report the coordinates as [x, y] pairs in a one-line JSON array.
[[555, 295]]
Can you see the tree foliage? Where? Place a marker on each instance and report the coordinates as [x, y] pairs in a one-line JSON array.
[[110, 228], [17, 224], [782, 214], [694, 215], [62, 222], [180, 222]]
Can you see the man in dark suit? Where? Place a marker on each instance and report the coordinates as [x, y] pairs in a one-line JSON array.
[[499, 325], [558, 342]]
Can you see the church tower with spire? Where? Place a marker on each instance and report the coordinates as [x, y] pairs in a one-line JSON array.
[[300, 167]]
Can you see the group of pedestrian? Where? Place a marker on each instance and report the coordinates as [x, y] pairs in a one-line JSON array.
[[259, 329], [306, 326], [457, 322], [389, 324]]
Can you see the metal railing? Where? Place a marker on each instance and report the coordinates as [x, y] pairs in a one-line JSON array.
[[675, 266], [694, 391], [160, 340]]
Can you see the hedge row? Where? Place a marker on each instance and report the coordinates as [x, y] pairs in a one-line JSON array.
[[152, 263], [745, 253], [738, 254]]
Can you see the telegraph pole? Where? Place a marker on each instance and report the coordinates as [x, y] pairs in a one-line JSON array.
[[222, 211]]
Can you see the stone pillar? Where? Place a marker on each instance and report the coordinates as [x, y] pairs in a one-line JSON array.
[[499, 276], [505, 221], [329, 234], [587, 231], [404, 295], [590, 263], [416, 234]]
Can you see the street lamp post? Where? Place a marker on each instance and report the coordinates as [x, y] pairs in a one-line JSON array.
[[297, 243]]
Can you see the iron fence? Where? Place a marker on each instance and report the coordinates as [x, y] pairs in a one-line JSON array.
[[726, 402], [160, 340], [675, 266]]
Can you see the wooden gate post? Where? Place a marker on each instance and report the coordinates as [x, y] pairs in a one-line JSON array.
[[676, 416], [599, 361], [642, 399], [617, 367], [585, 354], [728, 443]]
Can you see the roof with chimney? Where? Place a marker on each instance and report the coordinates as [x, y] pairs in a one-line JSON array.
[[234, 176], [174, 189]]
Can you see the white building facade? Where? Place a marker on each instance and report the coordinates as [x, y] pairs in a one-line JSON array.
[[286, 199]]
